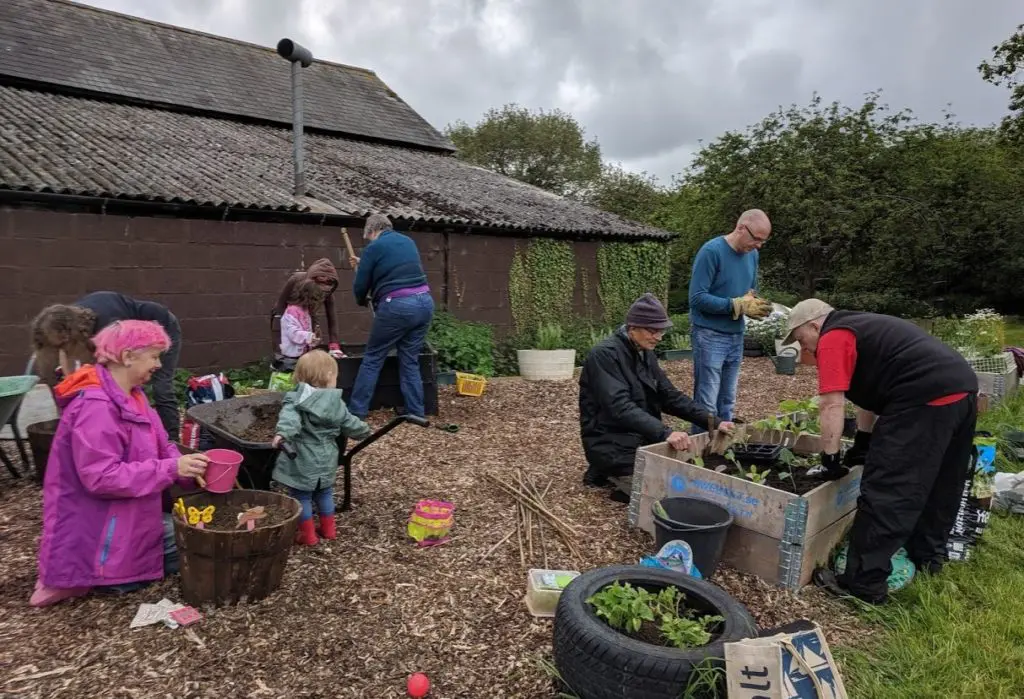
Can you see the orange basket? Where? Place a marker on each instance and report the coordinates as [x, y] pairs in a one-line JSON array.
[[469, 384]]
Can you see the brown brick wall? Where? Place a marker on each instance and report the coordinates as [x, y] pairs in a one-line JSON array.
[[221, 278]]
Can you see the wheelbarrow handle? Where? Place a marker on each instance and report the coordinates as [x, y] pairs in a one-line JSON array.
[[287, 448]]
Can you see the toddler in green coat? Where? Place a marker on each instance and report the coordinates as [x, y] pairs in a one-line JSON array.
[[312, 417]]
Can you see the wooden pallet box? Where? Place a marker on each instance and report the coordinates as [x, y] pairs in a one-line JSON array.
[[778, 536]]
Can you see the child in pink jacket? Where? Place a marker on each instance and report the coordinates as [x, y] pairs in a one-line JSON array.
[[103, 520]]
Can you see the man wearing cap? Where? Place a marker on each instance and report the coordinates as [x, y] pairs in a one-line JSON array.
[[917, 407], [722, 291], [623, 393]]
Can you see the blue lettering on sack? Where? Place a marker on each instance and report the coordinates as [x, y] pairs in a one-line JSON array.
[[740, 504]]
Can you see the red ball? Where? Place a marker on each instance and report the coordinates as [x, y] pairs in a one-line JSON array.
[[418, 685]]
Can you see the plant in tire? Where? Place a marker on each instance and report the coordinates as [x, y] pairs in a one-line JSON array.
[[679, 632], [626, 608]]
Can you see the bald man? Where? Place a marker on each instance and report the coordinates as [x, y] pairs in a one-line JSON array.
[[723, 289]]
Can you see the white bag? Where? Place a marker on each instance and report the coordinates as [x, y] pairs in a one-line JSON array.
[[1008, 493], [794, 664]]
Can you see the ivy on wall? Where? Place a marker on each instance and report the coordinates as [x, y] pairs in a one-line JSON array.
[[629, 270], [542, 281]]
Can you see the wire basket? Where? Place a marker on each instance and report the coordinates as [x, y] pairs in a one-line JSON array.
[[1000, 364], [469, 384]]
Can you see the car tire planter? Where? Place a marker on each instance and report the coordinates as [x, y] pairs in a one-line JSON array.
[[597, 662]]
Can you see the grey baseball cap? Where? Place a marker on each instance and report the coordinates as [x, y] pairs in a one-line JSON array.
[[804, 312]]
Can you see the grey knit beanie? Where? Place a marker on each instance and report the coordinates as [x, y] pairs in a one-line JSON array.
[[647, 312]]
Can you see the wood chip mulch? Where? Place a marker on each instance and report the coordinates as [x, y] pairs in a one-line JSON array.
[[354, 617]]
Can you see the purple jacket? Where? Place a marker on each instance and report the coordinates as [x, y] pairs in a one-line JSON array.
[[108, 467]]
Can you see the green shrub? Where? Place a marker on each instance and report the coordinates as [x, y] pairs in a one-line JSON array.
[[549, 337], [462, 345]]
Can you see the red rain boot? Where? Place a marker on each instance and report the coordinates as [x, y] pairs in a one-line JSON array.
[[326, 528], [306, 534]]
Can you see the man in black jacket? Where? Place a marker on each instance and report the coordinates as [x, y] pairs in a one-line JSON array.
[[70, 328], [917, 408], [623, 393]]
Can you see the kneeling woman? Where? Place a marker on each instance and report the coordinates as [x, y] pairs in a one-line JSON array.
[[103, 522]]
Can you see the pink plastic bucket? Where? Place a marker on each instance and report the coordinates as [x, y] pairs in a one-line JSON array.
[[222, 470]]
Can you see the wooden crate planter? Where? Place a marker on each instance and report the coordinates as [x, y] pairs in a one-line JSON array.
[[777, 536]]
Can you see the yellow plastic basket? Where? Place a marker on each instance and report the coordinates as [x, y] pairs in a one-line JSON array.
[[469, 384]]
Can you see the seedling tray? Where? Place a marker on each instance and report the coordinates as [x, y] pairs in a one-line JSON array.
[[754, 453]]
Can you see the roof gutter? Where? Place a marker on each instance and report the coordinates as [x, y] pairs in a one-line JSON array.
[[119, 206]]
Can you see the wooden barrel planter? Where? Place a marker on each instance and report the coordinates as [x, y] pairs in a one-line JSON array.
[[40, 439], [227, 567]]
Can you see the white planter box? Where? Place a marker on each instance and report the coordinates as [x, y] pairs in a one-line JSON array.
[[547, 365]]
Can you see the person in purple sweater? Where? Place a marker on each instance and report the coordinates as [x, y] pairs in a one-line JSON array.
[[722, 292], [104, 527]]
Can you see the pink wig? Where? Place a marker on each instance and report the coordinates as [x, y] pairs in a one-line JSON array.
[[124, 335]]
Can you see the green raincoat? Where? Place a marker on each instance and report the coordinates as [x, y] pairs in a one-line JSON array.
[[311, 420]]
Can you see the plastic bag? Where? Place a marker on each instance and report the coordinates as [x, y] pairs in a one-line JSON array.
[[675, 555], [1008, 493]]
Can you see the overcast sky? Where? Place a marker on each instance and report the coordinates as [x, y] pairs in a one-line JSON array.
[[648, 78]]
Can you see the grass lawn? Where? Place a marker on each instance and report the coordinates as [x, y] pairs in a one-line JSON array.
[[958, 634]]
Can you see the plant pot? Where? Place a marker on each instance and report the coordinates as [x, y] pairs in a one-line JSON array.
[[676, 354], [225, 567], [446, 378], [546, 365], [701, 524], [599, 662]]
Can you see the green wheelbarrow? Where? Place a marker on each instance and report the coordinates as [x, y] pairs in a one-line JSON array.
[[12, 392]]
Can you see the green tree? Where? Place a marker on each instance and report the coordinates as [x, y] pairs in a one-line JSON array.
[[636, 196], [545, 149], [1007, 68]]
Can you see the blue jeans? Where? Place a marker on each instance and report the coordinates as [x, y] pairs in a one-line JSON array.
[[171, 564], [324, 502], [401, 323], [716, 371]]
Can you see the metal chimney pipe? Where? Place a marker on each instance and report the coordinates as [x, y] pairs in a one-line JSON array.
[[300, 57]]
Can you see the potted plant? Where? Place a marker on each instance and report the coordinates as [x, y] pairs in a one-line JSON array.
[[679, 348], [633, 631], [548, 361]]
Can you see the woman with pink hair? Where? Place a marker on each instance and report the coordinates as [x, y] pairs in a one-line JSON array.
[[111, 461]]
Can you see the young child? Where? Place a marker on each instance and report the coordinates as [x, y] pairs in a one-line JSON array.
[[312, 417], [298, 335]]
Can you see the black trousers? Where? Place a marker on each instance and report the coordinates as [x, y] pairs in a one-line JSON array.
[[910, 492], [164, 399]]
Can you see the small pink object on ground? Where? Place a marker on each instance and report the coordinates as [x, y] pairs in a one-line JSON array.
[[418, 685], [185, 616], [222, 470]]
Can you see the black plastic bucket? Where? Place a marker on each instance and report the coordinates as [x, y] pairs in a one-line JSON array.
[[701, 524]]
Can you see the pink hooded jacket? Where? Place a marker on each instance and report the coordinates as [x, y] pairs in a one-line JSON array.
[[109, 465]]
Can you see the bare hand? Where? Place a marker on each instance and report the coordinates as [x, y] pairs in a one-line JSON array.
[[276, 441], [192, 465], [680, 441], [314, 341], [726, 427], [353, 261]]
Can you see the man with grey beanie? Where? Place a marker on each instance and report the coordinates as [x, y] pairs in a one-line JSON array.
[[623, 393]]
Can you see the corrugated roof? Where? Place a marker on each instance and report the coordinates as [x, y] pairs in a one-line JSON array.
[[60, 143], [65, 44]]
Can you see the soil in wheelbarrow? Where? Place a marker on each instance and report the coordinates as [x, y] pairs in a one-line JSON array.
[[263, 427], [799, 484], [225, 517]]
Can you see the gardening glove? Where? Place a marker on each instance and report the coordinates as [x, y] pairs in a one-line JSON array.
[[750, 306], [858, 453], [831, 468]]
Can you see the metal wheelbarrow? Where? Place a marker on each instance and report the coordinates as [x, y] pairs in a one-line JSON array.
[[12, 393], [231, 422]]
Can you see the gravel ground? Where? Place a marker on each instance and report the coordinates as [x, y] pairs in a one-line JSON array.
[[355, 616]]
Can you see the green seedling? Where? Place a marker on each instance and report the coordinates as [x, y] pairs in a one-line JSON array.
[[627, 608], [759, 477]]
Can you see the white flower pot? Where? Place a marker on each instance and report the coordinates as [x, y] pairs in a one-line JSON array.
[[546, 365]]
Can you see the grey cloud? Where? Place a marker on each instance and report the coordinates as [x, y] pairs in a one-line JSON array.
[[663, 71]]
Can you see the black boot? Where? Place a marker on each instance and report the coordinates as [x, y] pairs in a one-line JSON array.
[[595, 479]]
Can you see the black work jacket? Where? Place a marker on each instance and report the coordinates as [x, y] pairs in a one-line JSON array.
[[623, 393]]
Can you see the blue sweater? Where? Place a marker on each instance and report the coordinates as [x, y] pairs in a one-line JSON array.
[[389, 263], [720, 274]]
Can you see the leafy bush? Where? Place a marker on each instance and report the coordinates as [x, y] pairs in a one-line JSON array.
[[627, 608], [549, 337], [462, 345], [894, 304], [980, 334], [767, 331]]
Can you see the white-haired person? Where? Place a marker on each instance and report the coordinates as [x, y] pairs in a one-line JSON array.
[[390, 276]]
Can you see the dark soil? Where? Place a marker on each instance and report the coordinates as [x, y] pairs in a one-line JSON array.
[[804, 483], [649, 633], [265, 425], [225, 517]]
